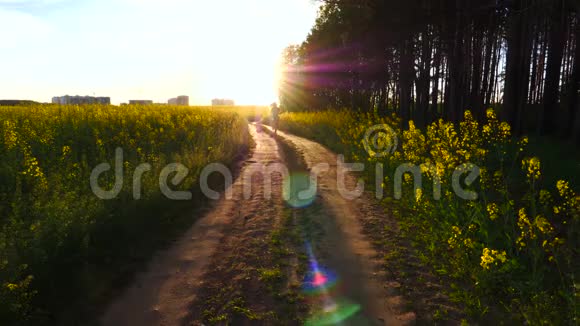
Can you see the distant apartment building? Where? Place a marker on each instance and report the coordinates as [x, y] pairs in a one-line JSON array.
[[141, 102], [80, 100], [180, 100], [219, 101]]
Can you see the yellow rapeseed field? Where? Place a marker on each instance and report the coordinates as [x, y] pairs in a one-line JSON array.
[[516, 244], [57, 239]]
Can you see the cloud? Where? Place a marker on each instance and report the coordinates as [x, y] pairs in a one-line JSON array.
[[32, 5]]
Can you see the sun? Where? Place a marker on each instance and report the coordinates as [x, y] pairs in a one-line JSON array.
[[250, 82], [246, 71]]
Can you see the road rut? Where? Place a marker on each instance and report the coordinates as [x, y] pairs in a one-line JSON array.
[[166, 292]]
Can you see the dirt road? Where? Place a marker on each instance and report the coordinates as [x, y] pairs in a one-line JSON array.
[[226, 250], [344, 248]]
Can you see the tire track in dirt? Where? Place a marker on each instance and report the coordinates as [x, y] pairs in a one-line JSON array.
[[345, 249], [249, 279], [162, 295], [217, 265]]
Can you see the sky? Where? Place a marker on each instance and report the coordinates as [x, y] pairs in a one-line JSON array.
[[147, 49]]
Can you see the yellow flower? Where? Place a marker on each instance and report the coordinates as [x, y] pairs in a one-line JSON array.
[[10, 135], [468, 243], [418, 195], [543, 225], [451, 242], [526, 228], [11, 286], [505, 130], [454, 240], [523, 143], [562, 187], [493, 211], [501, 256], [486, 258], [568, 196], [532, 166], [545, 197], [492, 257]]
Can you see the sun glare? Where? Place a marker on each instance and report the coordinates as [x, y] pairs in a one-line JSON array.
[[248, 77], [176, 47]]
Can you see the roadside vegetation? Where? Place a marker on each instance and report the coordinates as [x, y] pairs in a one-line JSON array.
[[63, 251], [511, 254]]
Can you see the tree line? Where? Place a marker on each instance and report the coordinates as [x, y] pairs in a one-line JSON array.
[[435, 59]]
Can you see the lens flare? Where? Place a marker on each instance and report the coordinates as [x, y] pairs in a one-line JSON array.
[[317, 284], [318, 281], [334, 314], [297, 190]]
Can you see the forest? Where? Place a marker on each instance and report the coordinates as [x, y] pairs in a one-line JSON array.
[[436, 59]]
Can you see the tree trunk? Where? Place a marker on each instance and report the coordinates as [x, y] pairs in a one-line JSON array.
[[573, 128], [492, 79], [476, 100], [549, 113], [488, 57], [423, 85], [517, 66], [456, 69], [436, 77], [406, 80]]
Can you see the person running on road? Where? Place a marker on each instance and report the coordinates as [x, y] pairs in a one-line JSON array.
[[275, 117]]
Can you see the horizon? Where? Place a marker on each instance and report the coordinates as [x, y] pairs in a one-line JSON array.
[[134, 99]]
